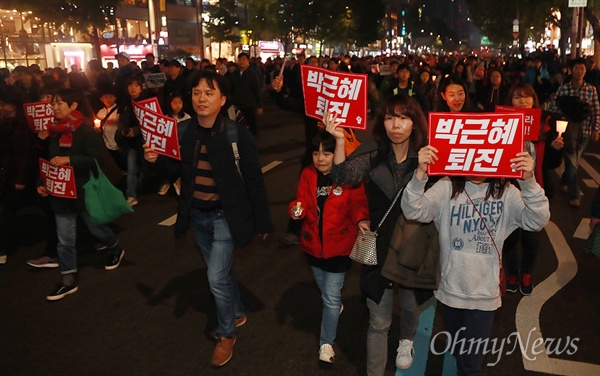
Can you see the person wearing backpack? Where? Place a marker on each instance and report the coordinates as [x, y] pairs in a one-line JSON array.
[[223, 198]]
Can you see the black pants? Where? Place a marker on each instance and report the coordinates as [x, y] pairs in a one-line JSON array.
[[464, 325], [250, 117], [530, 242]]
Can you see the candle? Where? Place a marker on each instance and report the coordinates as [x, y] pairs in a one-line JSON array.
[[97, 123], [561, 127]]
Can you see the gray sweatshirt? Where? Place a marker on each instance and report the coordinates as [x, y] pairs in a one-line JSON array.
[[469, 262]]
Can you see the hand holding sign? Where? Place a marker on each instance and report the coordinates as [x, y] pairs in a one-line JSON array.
[[427, 156], [523, 162], [332, 123]]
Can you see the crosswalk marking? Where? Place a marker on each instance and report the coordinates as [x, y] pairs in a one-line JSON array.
[[271, 166], [590, 183], [528, 312], [583, 230], [169, 221]]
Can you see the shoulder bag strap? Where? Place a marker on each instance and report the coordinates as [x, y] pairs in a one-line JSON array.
[[390, 208]]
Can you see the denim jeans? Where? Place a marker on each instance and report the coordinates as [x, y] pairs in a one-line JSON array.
[[330, 285], [380, 320], [214, 238], [132, 172], [575, 145], [463, 325], [66, 229]]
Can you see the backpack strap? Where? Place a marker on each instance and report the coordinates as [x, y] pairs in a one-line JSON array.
[[233, 138]]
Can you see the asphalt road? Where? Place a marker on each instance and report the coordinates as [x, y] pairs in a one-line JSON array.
[[151, 316]]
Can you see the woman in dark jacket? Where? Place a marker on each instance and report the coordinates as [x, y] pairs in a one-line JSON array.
[[400, 131], [74, 142]]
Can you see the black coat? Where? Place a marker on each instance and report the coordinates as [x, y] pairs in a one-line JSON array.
[[85, 149], [244, 201], [245, 89]]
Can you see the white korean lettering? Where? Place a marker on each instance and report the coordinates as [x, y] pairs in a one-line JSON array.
[[349, 88], [503, 132], [460, 159], [64, 174], [341, 109], [164, 126], [158, 143], [474, 132], [330, 87], [448, 129], [314, 79], [322, 106], [487, 160], [59, 187]]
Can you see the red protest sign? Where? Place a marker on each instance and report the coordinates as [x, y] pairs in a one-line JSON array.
[[533, 120], [39, 115], [159, 131], [151, 104], [476, 144], [59, 181], [342, 93]]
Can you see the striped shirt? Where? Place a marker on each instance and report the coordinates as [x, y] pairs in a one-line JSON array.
[[205, 194], [586, 93]]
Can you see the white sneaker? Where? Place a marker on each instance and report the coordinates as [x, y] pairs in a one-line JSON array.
[[326, 353], [164, 188], [177, 186], [132, 201], [405, 355]]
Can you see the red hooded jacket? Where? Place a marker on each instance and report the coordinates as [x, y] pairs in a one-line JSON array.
[[345, 206]]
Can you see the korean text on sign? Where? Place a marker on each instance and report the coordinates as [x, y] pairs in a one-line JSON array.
[[39, 115], [151, 104], [59, 181], [159, 131], [533, 120], [340, 93], [476, 144]]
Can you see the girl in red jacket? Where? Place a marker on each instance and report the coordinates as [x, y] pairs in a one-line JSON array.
[[332, 217]]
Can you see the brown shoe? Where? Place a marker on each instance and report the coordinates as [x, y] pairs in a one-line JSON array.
[[574, 202], [239, 321], [223, 351]]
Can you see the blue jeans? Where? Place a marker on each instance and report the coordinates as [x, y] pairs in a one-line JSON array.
[[464, 325], [66, 229], [214, 238], [330, 285], [380, 320], [575, 144], [132, 172]]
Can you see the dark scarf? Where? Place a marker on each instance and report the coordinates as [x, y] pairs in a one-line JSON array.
[[66, 127]]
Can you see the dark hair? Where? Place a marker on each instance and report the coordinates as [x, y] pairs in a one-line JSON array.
[[244, 54], [495, 189], [524, 89], [576, 61], [402, 67], [322, 138], [400, 105], [441, 105], [70, 96], [135, 77], [211, 78]]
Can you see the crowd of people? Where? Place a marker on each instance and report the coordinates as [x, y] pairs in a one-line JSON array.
[[378, 185]]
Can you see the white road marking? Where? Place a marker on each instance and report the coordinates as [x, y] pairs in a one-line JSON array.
[[590, 183], [169, 221], [590, 170], [271, 166], [528, 313], [172, 219], [583, 230]]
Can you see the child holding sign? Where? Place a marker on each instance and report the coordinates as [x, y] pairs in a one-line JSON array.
[[474, 216], [332, 216]]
